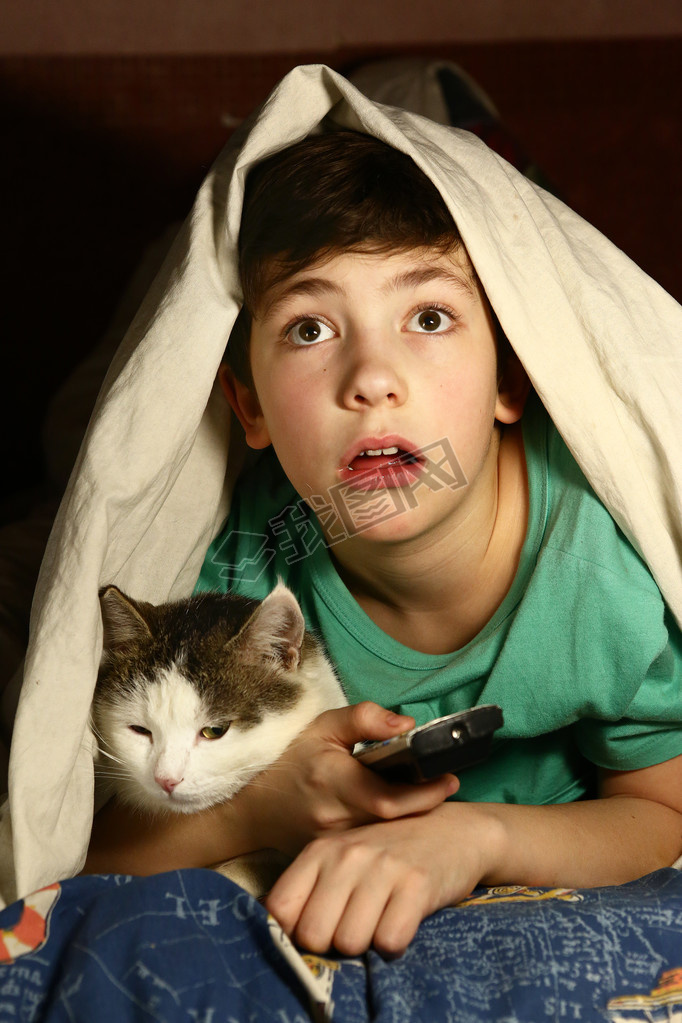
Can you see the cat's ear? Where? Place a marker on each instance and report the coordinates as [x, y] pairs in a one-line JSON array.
[[123, 622], [275, 630]]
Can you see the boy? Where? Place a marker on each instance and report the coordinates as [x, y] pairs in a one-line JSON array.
[[456, 543]]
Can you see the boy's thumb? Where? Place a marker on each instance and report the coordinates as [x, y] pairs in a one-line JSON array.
[[365, 720]]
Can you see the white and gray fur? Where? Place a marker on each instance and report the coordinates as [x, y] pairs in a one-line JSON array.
[[175, 675]]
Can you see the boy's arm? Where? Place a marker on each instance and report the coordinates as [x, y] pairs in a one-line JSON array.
[[633, 828], [124, 841], [374, 885]]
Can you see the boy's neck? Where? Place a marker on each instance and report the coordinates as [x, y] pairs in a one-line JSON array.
[[435, 596]]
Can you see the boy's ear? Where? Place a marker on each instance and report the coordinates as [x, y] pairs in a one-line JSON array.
[[245, 405], [512, 390]]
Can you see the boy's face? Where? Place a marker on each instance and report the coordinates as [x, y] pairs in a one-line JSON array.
[[363, 358]]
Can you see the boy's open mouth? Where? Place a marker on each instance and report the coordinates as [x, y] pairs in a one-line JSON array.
[[374, 458], [385, 463]]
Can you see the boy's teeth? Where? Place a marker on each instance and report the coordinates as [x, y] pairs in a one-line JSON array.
[[379, 451]]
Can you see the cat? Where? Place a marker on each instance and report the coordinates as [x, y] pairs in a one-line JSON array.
[[195, 698]]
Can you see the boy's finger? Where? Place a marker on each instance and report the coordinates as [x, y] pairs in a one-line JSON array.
[[357, 924], [399, 922], [292, 890], [389, 800], [365, 720], [326, 905]]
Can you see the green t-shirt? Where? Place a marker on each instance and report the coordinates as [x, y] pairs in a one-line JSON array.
[[582, 654]]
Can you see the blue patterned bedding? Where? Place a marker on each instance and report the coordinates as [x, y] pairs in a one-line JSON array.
[[190, 945]]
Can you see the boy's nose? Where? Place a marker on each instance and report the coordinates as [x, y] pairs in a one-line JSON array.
[[372, 378]]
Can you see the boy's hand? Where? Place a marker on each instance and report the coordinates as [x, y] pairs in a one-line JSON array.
[[375, 884], [317, 787]]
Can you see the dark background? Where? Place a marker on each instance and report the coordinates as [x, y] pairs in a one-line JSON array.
[[101, 153]]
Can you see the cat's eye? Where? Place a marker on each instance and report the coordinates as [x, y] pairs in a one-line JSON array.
[[213, 731], [139, 730]]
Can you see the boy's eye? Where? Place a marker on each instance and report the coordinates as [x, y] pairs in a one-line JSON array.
[[309, 332], [430, 321]]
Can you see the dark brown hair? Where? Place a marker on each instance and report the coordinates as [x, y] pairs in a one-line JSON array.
[[335, 192]]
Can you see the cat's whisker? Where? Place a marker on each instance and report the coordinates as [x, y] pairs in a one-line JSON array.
[[102, 741], [100, 765], [106, 771], [111, 756], [95, 729]]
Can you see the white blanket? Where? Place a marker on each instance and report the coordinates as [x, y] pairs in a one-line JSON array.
[[599, 339]]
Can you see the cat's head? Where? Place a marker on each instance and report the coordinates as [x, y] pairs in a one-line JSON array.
[[194, 698]]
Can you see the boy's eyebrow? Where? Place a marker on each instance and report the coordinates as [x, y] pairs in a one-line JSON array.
[[412, 278], [308, 286], [423, 274]]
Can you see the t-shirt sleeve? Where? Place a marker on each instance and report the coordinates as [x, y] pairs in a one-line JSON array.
[[650, 728]]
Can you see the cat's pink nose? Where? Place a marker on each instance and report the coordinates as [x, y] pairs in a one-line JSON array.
[[167, 784]]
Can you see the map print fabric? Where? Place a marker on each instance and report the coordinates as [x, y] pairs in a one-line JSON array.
[[192, 946]]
